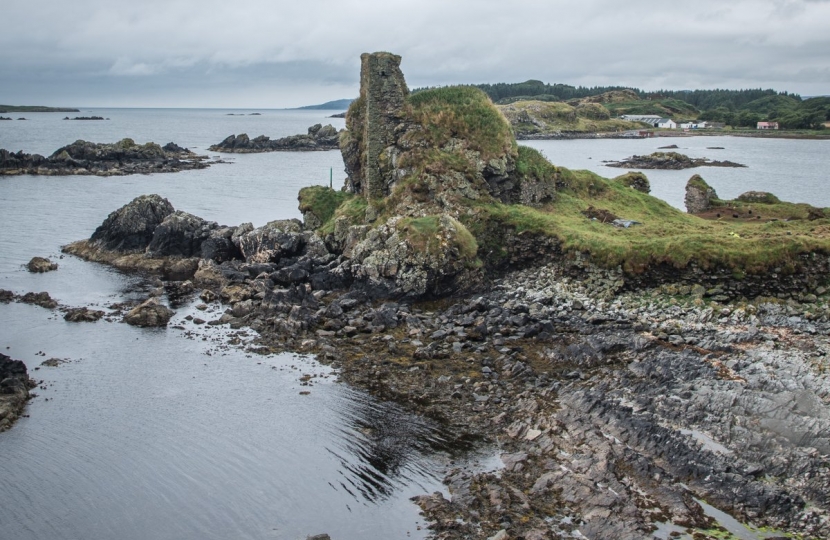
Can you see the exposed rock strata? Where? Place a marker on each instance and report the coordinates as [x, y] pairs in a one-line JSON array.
[[319, 137], [14, 390], [118, 159]]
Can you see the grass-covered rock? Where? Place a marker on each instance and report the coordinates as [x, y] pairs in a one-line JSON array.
[[459, 198]]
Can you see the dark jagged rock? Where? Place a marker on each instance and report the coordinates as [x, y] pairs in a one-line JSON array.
[[180, 235], [668, 160], [39, 265], [41, 299], [118, 159], [14, 390], [86, 118], [83, 315], [131, 227], [319, 137]]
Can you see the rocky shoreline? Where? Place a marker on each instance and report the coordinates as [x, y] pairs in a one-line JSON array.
[[14, 390], [614, 410], [621, 401], [319, 137], [118, 159]]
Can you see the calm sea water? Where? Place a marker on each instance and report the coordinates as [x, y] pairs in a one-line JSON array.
[[795, 170], [167, 433]]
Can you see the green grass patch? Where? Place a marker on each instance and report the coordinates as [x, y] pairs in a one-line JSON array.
[[528, 117], [428, 234], [461, 112], [531, 164], [321, 201], [666, 234], [353, 209]]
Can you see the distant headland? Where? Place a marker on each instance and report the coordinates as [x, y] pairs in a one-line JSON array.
[[34, 108]]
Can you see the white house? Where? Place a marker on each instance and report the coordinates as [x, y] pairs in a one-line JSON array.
[[666, 123], [645, 118]]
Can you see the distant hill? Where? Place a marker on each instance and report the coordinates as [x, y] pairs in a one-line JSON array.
[[34, 108], [338, 105]]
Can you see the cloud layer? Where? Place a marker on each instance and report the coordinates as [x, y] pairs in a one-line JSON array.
[[260, 53]]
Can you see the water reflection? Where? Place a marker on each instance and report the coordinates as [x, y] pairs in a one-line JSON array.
[[384, 447]]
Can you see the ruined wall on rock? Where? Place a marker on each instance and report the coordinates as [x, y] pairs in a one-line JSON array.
[[374, 124]]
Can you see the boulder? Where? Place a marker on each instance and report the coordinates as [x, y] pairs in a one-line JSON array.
[[180, 235], [131, 227], [83, 315], [699, 195], [430, 256], [219, 247], [149, 313], [39, 265], [41, 299], [270, 243]]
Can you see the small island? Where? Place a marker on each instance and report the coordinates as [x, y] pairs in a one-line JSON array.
[[668, 161], [319, 137], [87, 118], [34, 108], [117, 159]]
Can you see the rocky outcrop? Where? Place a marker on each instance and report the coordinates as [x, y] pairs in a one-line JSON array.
[[150, 313], [14, 390], [180, 235], [699, 195], [668, 161], [131, 227], [635, 180], [85, 158], [83, 315], [39, 265], [319, 137]]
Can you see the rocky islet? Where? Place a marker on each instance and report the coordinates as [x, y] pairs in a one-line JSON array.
[[101, 159], [319, 137]]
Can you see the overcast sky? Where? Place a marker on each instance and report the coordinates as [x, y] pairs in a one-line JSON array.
[[273, 54]]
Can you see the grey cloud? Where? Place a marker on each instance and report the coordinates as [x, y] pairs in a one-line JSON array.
[[212, 51]]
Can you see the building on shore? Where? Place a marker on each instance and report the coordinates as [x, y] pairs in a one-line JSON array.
[[767, 125]]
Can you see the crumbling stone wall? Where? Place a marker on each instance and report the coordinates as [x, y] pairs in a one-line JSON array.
[[375, 124]]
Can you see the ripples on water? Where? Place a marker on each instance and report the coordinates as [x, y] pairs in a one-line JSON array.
[[166, 434]]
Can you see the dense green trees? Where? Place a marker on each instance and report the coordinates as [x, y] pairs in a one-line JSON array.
[[737, 108]]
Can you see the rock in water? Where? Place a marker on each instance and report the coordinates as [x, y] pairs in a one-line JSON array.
[[14, 390], [83, 315], [39, 265], [150, 313], [131, 227], [319, 137]]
